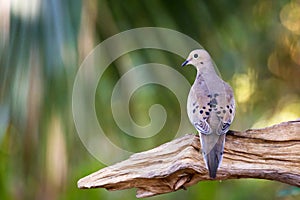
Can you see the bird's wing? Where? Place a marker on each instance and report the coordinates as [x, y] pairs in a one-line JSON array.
[[202, 103], [199, 106], [227, 109]]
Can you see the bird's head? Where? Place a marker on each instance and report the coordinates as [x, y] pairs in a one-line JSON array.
[[197, 58]]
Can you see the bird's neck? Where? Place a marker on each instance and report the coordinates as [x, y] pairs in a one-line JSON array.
[[209, 76], [207, 70]]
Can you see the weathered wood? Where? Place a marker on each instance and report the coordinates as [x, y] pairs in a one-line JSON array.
[[271, 153]]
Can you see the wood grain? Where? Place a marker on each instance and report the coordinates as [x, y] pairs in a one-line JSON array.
[[271, 153]]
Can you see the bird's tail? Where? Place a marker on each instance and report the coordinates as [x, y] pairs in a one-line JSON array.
[[212, 151]]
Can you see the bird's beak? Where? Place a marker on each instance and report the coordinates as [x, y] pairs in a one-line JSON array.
[[186, 62]]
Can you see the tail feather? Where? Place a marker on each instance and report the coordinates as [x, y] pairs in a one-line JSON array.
[[212, 150]]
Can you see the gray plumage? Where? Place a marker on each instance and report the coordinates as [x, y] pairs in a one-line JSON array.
[[210, 108]]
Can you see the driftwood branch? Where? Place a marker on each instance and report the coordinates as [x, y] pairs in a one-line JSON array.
[[271, 153]]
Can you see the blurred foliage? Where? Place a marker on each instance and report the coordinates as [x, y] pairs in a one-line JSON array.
[[255, 45]]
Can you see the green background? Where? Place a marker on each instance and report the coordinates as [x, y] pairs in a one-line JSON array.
[[255, 45]]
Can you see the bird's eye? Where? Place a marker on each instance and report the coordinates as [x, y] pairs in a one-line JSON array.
[[195, 55]]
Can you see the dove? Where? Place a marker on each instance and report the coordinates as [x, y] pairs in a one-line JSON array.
[[210, 108]]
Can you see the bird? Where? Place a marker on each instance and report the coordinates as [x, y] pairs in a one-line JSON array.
[[210, 108]]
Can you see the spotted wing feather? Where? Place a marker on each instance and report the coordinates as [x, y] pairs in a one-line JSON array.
[[228, 115], [199, 107]]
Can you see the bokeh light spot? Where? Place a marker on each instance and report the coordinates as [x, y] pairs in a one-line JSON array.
[[244, 86], [290, 17]]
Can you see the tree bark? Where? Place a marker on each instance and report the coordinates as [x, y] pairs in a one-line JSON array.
[[271, 153]]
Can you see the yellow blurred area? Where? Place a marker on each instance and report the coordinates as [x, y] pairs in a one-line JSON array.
[[56, 157], [244, 86], [284, 60], [288, 108], [290, 16]]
